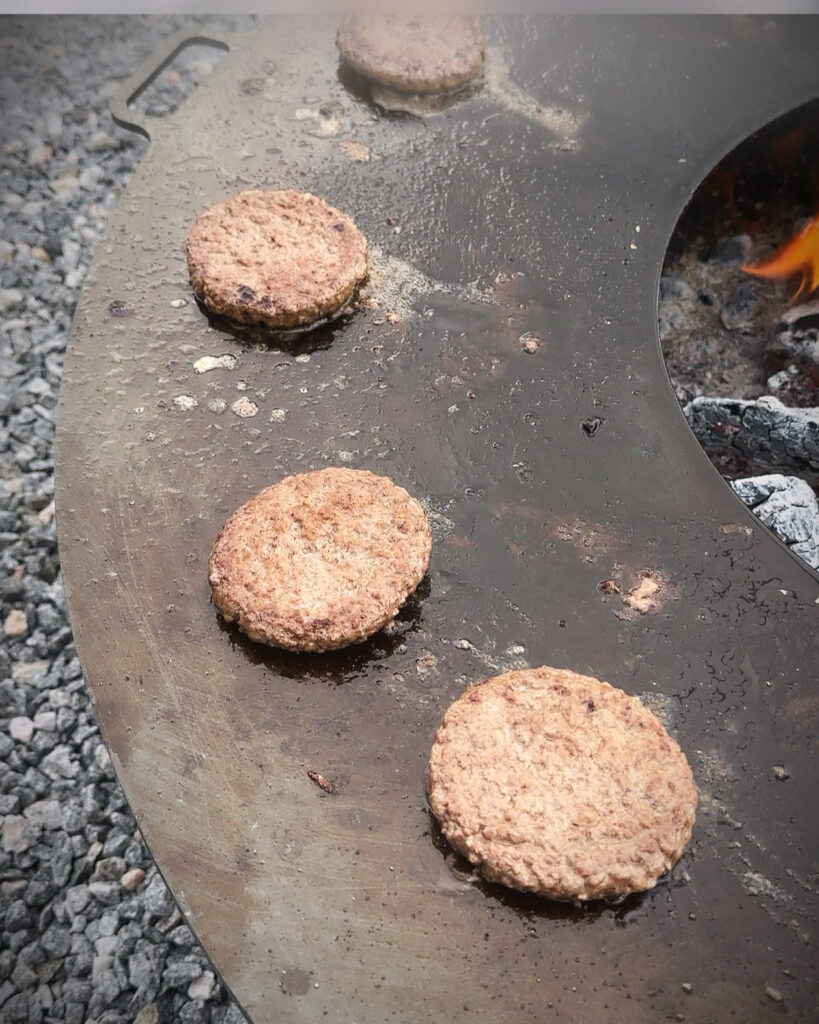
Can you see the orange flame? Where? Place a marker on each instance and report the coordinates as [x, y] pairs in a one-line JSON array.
[[798, 256]]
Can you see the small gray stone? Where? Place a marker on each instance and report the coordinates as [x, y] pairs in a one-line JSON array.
[[6, 991], [74, 819], [16, 1010], [181, 936], [47, 813], [180, 974], [101, 963], [134, 854], [148, 1015], [21, 729], [62, 859], [107, 893], [202, 987], [39, 155], [111, 868], [47, 969], [18, 916], [23, 976], [108, 986], [71, 253], [115, 845], [74, 1013], [39, 891], [100, 143], [106, 945], [44, 996], [6, 963], [234, 1015], [9, 803], [109, 922], [46, 720], [157, 898], [140, 970], [193, 1013], [65, 187], [51, 125], [76, 990], [89, 178], [15, 839], [30, 673], [9, 297], [59, 764], [76, 899], [56, 941]]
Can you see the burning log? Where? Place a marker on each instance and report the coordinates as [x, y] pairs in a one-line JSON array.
[[765, 431]]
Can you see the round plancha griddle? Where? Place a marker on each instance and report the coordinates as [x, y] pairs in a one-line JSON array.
[[504, 367]]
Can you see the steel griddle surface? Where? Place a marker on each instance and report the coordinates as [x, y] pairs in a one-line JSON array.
[[349, 907]]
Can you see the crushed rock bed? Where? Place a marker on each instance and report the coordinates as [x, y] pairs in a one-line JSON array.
[[89, 933]]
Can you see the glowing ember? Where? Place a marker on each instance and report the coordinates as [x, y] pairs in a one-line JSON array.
[[799, 256]]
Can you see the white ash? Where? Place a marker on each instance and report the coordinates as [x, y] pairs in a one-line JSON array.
[[208, 363], [244, 407], [796, 338], [789, 507], [779, 381], [88, 931]]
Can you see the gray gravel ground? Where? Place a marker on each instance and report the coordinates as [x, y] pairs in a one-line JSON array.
[[89, 934]]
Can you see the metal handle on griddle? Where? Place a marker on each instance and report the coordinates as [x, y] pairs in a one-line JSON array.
[[148, 72]]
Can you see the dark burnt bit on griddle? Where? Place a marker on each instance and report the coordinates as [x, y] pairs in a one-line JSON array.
[[251, 86], [323, 783], [119, 308], [608, 587], [592, 424]]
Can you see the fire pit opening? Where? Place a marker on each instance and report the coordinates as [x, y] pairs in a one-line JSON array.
[[739, 323]]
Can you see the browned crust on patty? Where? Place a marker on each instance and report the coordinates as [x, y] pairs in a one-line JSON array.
[[560, 784], [283, 259], [320, 560], [417, 55]]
